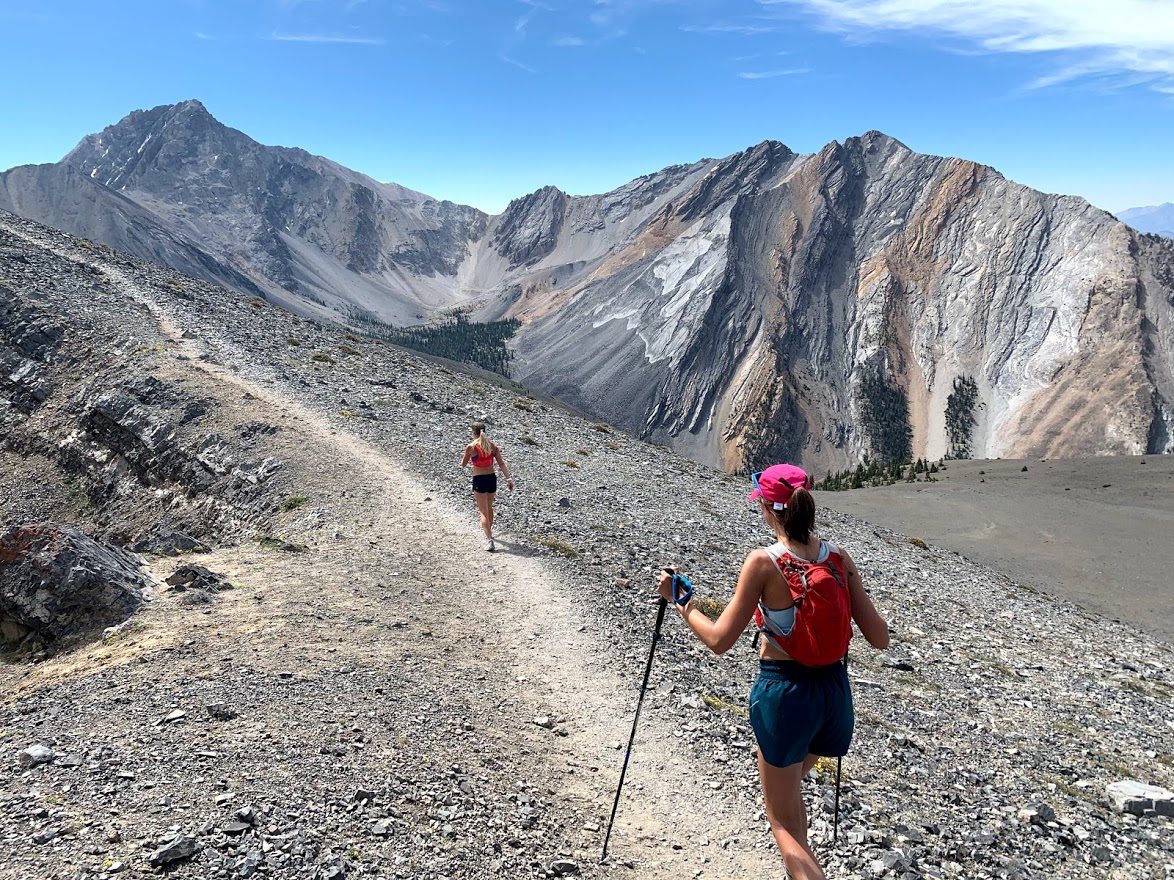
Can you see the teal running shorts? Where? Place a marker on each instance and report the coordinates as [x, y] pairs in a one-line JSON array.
[[798, 710]]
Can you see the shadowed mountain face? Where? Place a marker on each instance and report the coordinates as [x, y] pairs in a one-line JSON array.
[[313, 235], [764, 306]]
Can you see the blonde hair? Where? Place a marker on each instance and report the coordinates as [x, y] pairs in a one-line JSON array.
[[481, 439]]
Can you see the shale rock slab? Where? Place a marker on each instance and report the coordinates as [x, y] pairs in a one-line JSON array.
[[57, 581]]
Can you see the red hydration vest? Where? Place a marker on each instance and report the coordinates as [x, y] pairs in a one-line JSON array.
[[823, 607]]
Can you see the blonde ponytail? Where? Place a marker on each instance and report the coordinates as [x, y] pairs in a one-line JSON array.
[[481, 439]]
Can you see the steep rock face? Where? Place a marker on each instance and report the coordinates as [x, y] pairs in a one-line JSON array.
[[311, 234], [811, 298], [529, 228]]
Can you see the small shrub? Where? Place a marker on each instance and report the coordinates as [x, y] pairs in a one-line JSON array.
[[612, 445], [322, 358], [524, 405], [570, 464], [292, 340], [294, 502], [528, 440], [602, 428], [256, 302], [917, 542], [347, 350], [583, 452], [558, 545], [718, 703]]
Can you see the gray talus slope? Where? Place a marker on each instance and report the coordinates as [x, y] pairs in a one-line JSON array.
[[59, 195]]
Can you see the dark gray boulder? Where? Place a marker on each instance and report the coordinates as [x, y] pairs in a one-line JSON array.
[[56, 581]]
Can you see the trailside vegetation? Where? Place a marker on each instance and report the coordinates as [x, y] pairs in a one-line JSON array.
[[454, 337], [960, 421]]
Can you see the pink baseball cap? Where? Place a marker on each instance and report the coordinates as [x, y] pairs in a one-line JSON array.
[[777, 482]]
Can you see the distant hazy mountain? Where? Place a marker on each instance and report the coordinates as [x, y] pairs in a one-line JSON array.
[[865, 299], [1157, 219]]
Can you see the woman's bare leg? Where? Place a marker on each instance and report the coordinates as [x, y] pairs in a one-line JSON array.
[[783, 793], [485, 508]]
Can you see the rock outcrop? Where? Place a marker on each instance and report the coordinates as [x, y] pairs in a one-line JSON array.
[[56, 581], [129, 451]]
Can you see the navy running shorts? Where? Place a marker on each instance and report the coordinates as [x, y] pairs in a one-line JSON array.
[[799, 710], [486, 483]]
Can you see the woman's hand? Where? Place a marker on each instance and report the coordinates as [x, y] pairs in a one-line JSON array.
[[664, 583], [509, 482]]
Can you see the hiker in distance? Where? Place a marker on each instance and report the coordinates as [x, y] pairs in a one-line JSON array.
[[803, 593], [485, 457]]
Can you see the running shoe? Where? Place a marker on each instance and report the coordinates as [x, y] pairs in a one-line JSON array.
[[489, 545]]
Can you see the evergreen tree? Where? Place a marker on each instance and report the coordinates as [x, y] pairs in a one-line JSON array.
[[960, 421]]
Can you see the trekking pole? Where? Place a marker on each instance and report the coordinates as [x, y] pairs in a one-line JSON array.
[[836, 821], [839, 759], [686, 593]]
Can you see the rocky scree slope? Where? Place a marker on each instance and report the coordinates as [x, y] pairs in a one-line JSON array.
[[762, 306], [988, 735]]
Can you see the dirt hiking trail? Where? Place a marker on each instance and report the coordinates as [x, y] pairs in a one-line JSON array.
[[397, 636]]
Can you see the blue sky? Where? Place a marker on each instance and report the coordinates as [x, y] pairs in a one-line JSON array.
[[481, 102]]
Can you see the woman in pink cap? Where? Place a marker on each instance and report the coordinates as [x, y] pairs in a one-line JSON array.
[[803, 593]]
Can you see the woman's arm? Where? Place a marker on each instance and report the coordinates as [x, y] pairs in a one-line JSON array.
[[501, 464], [468, 455], [721, 634], [873, 627]]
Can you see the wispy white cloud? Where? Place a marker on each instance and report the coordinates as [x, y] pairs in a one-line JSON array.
[[770, 74], [516, 63], [1096, 37], [746, 30], [327, 38], [518, 35], [568, 41]]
